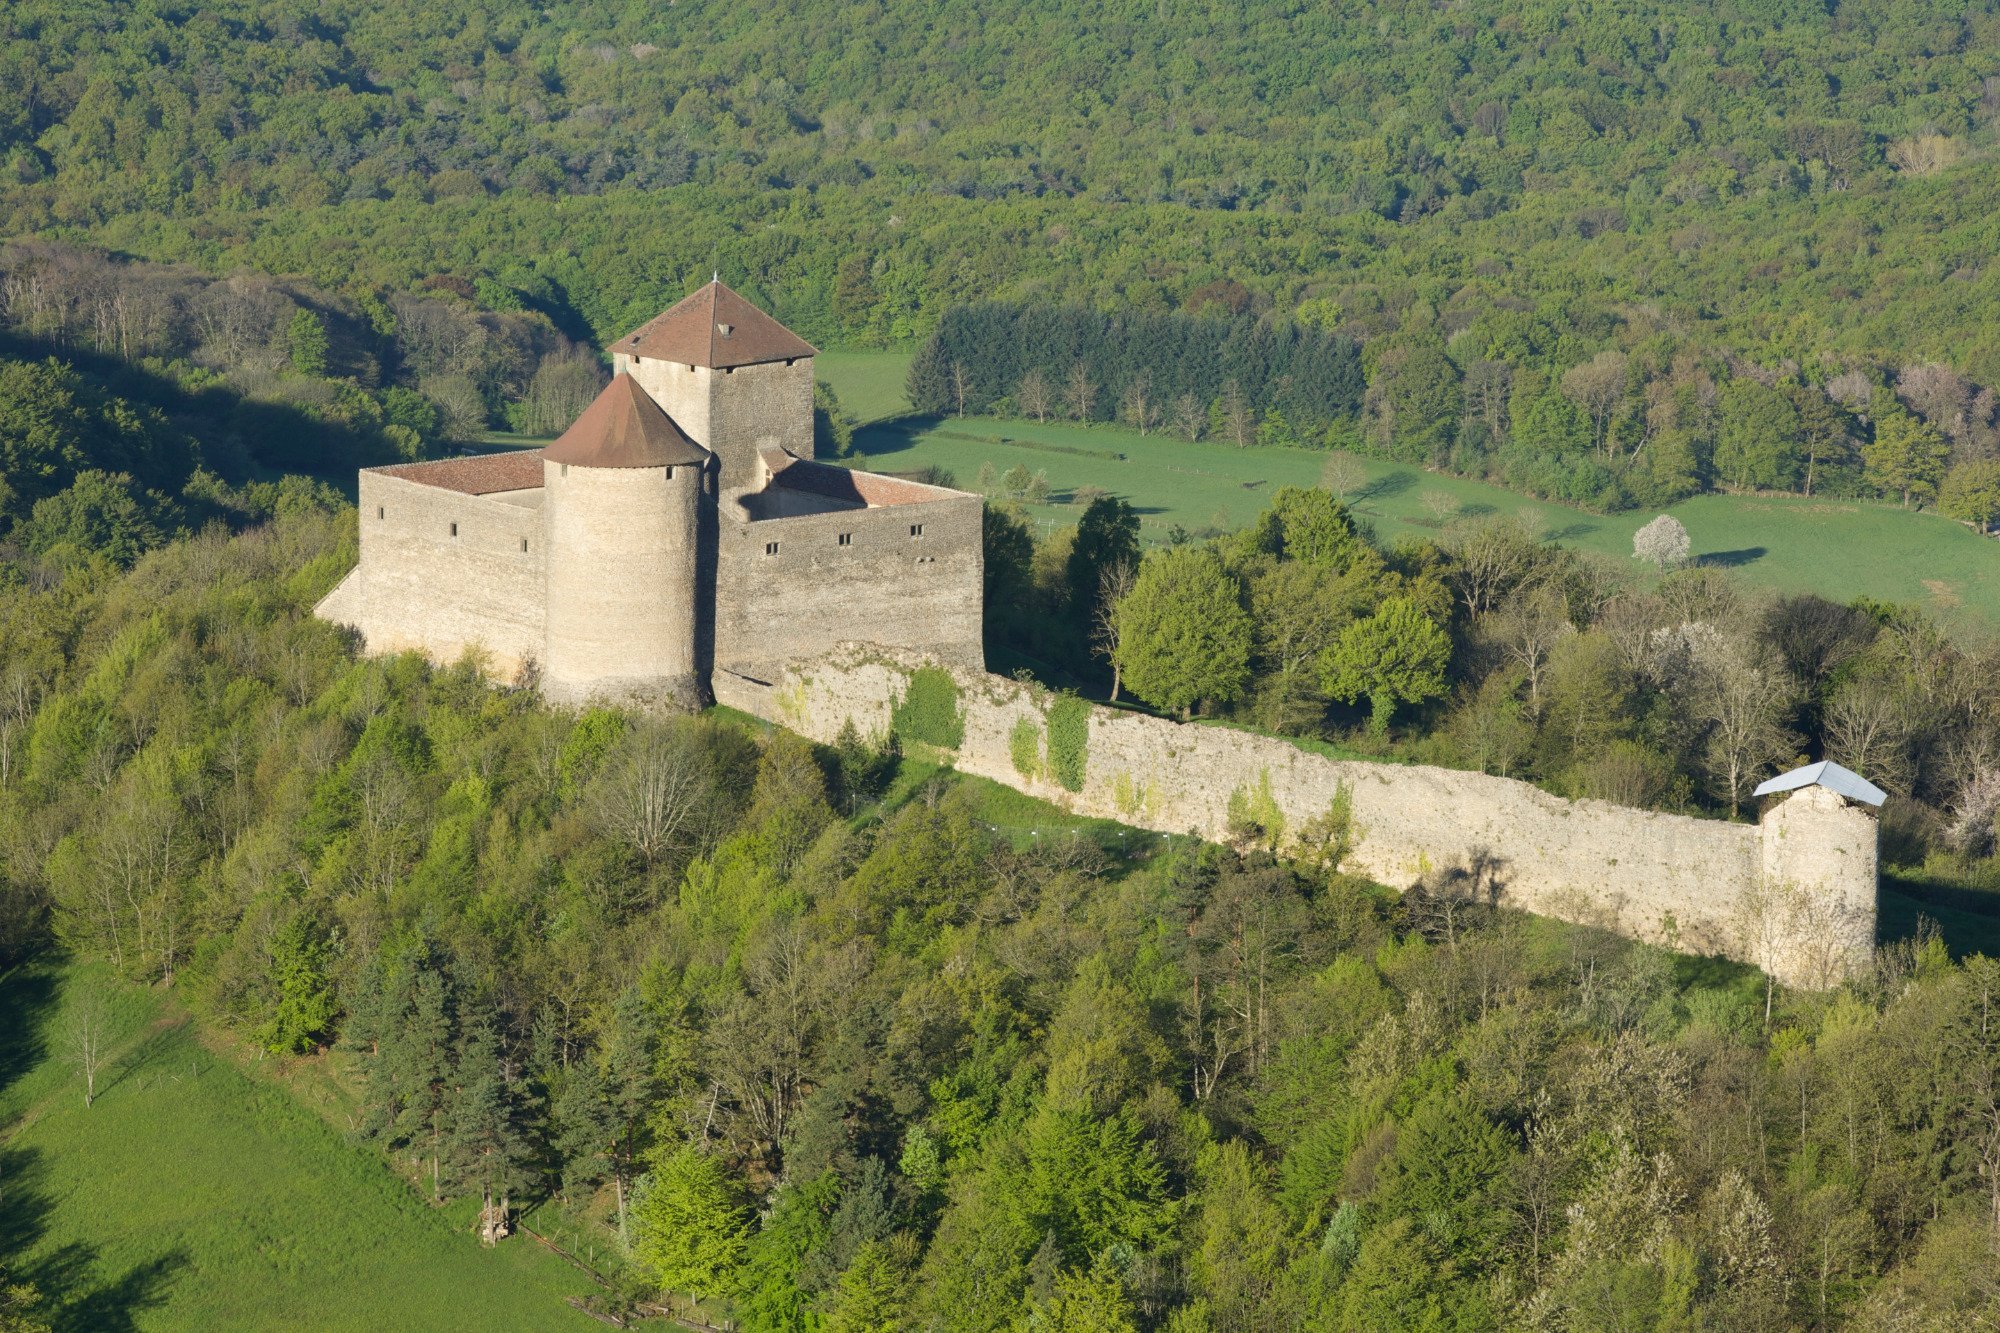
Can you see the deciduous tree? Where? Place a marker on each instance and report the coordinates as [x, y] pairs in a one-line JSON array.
[[1183, 637]]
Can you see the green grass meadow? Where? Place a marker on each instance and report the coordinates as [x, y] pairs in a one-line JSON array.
[[869, 384], [1839, 548], [196, 1195]]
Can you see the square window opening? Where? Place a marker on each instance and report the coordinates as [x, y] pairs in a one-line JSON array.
[[916, 529], [847, 539], [770, 548]]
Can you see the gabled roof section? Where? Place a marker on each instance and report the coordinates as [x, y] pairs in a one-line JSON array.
[[715, 328], [624, 428], [1826, 773]]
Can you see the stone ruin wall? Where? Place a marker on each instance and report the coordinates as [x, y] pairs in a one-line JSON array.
[[419, 588], [1795, 894]]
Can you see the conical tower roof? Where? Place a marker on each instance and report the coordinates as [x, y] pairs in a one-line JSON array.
[[625, 428], [715, 328]]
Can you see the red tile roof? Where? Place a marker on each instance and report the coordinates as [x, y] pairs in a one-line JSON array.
[[479, 474], [716, 328], [624, 427]]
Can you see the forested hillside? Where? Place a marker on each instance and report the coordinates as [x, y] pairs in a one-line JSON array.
[[836, 1042], [1795, 179], [1610, 256]]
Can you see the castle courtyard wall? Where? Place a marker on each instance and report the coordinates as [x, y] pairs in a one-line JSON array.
[[420, 587], [1696, 885], [920, 591]]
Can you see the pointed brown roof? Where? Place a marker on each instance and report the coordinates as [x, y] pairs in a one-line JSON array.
[[624, 428], [715, 328]]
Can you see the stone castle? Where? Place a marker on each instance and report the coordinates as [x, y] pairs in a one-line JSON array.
[[679, 528], [679, 544]]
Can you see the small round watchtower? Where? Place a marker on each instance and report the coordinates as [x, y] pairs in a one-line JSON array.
[[622, 503]]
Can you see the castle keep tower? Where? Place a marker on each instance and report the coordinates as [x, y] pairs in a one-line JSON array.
[[624, 493], [736, 380]]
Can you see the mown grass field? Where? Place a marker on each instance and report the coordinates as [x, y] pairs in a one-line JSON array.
[[194, 1195], [870, 384], [1839, 548]]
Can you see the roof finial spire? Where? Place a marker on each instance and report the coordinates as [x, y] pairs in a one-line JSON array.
[[716, 276]]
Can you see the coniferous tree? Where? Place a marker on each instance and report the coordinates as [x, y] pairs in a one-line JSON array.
[[485, 1149], [418, 1061]]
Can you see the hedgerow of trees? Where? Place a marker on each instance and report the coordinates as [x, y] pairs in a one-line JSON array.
[[1488, 392]]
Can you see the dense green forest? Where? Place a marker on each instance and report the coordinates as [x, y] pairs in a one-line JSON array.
[[834, 1047], [1611, 256]]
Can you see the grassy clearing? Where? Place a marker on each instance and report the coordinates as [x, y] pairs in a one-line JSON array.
[[1840, 548], [869, 384], [196, 1195]]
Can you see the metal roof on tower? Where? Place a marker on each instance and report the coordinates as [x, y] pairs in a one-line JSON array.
[[624, 428], [1830, 775], [715, 328]]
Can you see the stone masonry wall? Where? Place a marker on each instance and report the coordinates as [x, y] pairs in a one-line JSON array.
[[1695, 885], [920, 591], [419, 587], [735, 412]]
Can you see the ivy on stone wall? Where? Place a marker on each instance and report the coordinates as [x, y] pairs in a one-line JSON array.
[[1069, 740], [928, 712], [1024, 746], [1254, 816]]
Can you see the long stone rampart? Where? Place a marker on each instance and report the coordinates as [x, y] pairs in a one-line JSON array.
[[1794, 894]]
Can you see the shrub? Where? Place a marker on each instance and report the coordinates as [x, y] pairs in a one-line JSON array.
[[1069, 740], [928, 711], [1024, 746]]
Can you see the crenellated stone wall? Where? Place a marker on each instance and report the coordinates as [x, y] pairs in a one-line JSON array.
[[1795, 894]]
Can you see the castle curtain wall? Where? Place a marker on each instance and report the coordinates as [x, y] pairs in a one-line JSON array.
[[884, 585], [420, 587], [1795, 895]]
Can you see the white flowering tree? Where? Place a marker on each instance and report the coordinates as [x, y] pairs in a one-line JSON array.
[[1662, 543]]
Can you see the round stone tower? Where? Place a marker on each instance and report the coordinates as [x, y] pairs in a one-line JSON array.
[[622, 511]]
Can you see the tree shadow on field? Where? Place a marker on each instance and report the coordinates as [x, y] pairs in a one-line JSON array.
[[150, 1047], [27, 998], [1732, 559], [1384, 486], [73, 1298], [1572, 532], [106, 1307]]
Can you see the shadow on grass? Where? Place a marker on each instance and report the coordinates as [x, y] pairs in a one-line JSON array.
[[1384, 486], [72, 1294], [75, 1301], [891, 437], [1968, 918], [1572, 532], [135, 1060], [1733, 559], [27, 998]]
